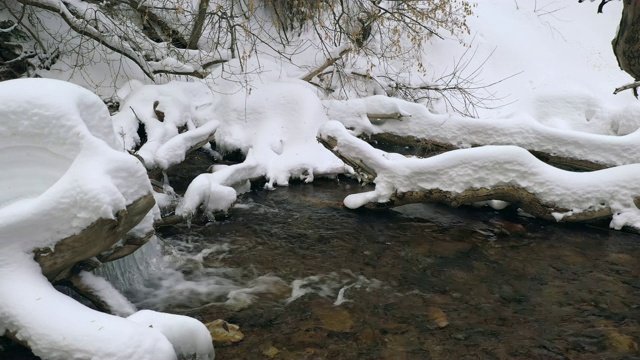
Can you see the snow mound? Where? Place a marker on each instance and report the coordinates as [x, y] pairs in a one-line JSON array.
[[175, 117], [187, 335], [60, 164], [275, 124]]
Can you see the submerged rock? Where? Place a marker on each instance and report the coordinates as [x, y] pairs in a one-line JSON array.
[[622, 343], [223, 333], [332, 318], [271, 352], [438, 317]]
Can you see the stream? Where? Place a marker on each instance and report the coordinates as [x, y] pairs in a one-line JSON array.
[[307, 279], [421, 281]]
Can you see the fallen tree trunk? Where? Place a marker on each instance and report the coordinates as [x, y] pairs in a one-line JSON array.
[[431, 134], [505, 173], [426, 148], [97, 238]]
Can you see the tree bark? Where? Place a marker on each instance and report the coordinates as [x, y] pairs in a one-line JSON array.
[[626, 45], [97, 238], [198, 26]]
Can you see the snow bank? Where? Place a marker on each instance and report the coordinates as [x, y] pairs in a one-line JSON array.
[[57, 327], [62, 170], [275, 124], [279, 121], [561, 51]]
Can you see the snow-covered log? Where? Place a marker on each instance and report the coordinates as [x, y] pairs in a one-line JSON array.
[[218, 191], [101, 293], [99, 237], [506, 173], [436, 133]]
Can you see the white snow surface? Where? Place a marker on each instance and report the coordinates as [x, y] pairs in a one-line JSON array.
[[118, 304], [275, 125], [519, 129], [561, 51], [279, 121], [185, 105], [61, 169], [57, 327], [187, 335]]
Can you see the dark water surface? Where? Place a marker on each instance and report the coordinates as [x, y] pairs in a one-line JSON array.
[[424, 282], [418, 282]]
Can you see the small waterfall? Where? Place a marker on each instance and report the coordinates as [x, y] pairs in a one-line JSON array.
[[159, 275], [135, 270]]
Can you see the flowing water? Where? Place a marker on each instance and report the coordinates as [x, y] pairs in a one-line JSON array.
[[418, 282], [307, 279]]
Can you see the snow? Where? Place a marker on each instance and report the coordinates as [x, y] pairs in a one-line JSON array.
[[184, 105], [57, 327], [45, 131], [561, 51], [519, 129], [118, 304], [187, 335], [275, 125]]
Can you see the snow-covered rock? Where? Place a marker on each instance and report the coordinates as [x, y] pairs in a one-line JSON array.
[[187, 335]]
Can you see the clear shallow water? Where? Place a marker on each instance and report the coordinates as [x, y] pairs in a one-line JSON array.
[[509, 287], [505, 286]]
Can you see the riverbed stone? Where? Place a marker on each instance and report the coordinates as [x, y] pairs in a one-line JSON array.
[[223, 333], [622, 343], [332, 318], [271, 352], [438, 317]]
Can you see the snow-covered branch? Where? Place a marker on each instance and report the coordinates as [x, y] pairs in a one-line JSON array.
[[335, 56], [163, 123], [122, 36], [506, 173], [442, 132]]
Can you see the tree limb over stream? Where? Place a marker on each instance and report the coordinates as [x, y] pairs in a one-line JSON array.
[[467, 176], [430, 134]]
